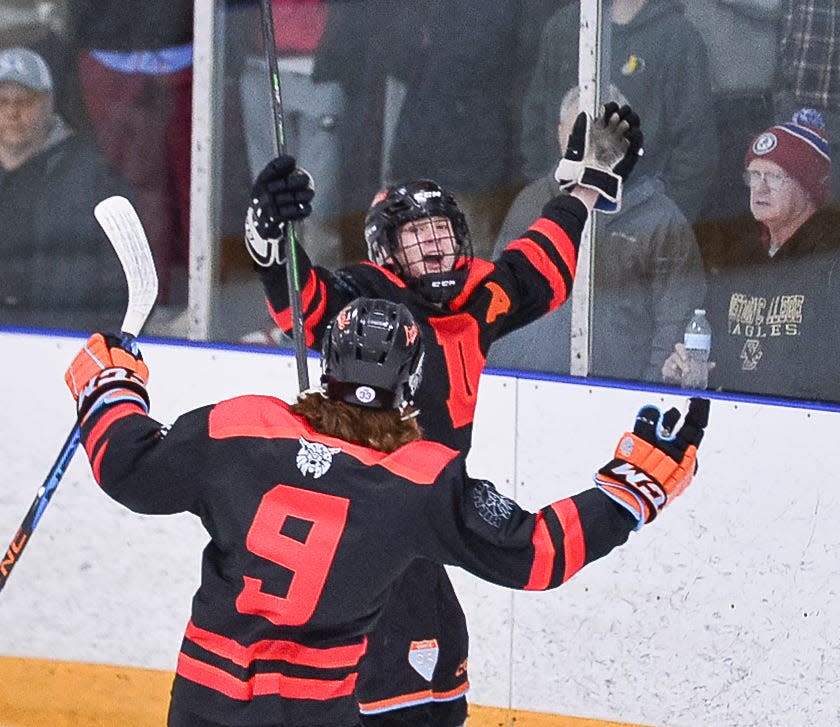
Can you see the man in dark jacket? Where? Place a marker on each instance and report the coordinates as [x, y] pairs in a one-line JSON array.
[[659, 61], [57, 267], [647, 278]]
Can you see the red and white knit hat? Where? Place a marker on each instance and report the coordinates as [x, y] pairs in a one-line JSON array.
[[800, 148]]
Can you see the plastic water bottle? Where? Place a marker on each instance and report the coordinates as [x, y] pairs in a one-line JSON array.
[[698, 343]]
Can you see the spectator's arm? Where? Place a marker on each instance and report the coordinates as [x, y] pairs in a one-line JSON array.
[[677, 287]]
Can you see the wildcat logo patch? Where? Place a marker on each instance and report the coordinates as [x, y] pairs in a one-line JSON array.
[[314, 458]]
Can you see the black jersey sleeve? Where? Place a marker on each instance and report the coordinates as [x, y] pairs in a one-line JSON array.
[[538, 268], [323, 293], [148, 467], [492, 537]]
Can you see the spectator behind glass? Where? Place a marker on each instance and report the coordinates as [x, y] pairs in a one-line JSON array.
[[647, 278], [809, 68], [774, 308], [742, 38], [57, 267], [135, 63], [660, 62], [453, 124], [375, 54], [312, 113]]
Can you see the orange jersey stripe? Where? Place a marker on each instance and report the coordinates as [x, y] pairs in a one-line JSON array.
[[574, 545], [113, 414], [559, 239], [276, 649], [544, 553], [263, 684], [268, 418], [421, 697], [540, 260], [283, 318]]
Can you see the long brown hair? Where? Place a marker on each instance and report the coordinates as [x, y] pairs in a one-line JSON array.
[[382, 429]]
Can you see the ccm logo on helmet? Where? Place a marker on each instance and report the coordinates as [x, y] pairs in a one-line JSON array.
[[423, 195]]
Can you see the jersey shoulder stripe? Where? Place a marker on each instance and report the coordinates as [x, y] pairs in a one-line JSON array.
[[478, 272], [265, 417]]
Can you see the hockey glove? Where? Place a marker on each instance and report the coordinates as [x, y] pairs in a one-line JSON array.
[[600, 154], [105, 372], [654, 464], [282, 193]]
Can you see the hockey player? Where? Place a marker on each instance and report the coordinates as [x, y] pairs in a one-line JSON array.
[[420, 254], [314, 509]]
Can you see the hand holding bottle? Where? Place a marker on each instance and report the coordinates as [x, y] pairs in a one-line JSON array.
[[689, 364]]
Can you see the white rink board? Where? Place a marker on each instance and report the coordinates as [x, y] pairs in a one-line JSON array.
[[723, 612]]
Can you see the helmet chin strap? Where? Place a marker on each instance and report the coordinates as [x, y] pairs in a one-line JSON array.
[[440, 287]]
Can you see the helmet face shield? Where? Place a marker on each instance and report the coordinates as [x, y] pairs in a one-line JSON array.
[[417, 229], [372, 355]]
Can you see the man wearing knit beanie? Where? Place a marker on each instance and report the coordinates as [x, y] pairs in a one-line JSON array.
[[774, 308], [800, 148]]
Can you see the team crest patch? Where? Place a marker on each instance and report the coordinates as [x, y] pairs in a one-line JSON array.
[[751, 354], [423, 657], [625, 447], [492, 507], [314, 458], [765, 143]]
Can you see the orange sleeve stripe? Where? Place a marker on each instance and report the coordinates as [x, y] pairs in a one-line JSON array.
[[277, 650], [574, 544], [113, 414], [544, 554], [264, 683], [283, 318], [314, 318], [407, 700], [96, 462], [403, 700], [264, 417], [542, 262], [560, 239]]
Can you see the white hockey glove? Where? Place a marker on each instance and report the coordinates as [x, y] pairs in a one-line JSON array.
[[282, 193], [600, 154]]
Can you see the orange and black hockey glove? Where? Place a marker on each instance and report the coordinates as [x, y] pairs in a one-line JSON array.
[[654, 464], [107, 370]]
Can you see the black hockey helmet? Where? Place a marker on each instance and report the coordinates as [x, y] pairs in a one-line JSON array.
[[398, 204], [372, 355]]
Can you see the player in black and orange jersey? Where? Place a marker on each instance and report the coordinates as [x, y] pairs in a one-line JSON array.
[[313, 509], [420, 254]]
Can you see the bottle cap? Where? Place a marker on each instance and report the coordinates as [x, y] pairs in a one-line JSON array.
[[699, 311]]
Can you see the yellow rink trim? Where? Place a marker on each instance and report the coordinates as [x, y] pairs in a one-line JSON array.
[[42, 693]]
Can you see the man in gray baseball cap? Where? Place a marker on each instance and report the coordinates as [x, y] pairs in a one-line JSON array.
[[23, 66], [26, 106], [56, 266]]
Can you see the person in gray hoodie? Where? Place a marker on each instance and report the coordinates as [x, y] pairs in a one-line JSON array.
[[57, 268], [660, 62], [648, 277]]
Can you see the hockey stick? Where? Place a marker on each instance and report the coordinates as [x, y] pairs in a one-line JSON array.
[[292, 270], [123, 228]]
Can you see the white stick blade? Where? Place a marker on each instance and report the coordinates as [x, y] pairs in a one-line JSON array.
[[119, 220]]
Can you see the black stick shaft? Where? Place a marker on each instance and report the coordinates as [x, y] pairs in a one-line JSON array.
[[292, 268]]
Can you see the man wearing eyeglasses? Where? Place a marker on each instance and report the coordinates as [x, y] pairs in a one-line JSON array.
[[774, 306]]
